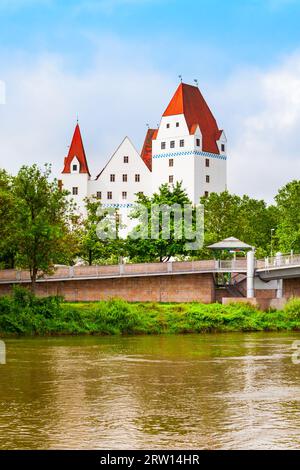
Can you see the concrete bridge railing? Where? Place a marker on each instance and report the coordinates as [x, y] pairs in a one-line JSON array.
[[280, 261], [123, 270]]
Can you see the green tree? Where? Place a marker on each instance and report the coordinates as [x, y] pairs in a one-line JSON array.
[[41, 222], [140, 246], [92, 248], [288, 203], [7, 238], [229, 215]]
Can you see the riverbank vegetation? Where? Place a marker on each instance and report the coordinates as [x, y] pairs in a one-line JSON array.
[[23, 314]]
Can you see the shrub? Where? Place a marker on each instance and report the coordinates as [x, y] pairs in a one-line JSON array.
[[292, 308]]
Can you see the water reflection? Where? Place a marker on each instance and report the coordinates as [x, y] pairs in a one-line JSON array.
[[196, 391]]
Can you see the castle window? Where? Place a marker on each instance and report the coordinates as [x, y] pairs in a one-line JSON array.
[[163, 145], [124, 178], [206, 193], [207, 162], [75, 191], [223, 147], [171, 179], [207, 178], [171, 162], [181, 143], [99, 195], [137, 178], [126, 159], [168, 126], [172, 144], [177, 124], [74, 167], [112, 178], [124, 195], [109, 195], [198, 142]]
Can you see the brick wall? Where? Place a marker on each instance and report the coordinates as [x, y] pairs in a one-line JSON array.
[[291, 288], [179, 288]]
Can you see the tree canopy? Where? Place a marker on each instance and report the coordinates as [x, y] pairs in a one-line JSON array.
[[42, 222], [39, 226]]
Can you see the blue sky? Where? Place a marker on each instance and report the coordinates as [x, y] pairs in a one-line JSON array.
[[116, 63], [226, 34]]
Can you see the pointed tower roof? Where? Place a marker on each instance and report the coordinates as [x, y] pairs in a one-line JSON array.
[[189, 101], [147, 147], [76, 150]]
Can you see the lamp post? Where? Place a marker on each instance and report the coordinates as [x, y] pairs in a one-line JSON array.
[[272, 231]]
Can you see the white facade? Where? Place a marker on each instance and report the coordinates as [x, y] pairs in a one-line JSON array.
[[78, 185], [179, 156], [122, 178], [178, 152]]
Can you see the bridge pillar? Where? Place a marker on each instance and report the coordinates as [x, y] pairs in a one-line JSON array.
[[250, 273], [278, 259], [279, 294]]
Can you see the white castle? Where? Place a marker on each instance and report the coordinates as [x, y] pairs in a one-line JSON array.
[[187, 147]]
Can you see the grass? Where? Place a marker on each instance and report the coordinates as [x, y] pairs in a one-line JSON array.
[[23, 314]]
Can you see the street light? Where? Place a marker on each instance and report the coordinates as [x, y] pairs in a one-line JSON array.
[[272, 231]]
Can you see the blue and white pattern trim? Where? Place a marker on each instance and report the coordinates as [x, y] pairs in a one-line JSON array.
[[191, 152], [118, 206]]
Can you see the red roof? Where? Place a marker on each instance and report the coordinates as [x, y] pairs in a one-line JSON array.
[[189, 101], [147, 147], [76, 150]]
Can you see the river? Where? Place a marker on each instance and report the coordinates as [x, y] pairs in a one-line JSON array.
[[223, 391]]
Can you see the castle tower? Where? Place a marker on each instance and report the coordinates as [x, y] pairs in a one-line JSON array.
[[189, 147], [75, 175]]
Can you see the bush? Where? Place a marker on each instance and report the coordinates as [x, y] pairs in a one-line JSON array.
[[24, 314], [292, 308]]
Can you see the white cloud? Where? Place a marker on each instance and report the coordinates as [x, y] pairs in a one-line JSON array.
[[260, 111], [113, 98], [120, 93]]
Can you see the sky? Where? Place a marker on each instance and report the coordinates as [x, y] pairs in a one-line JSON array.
[[114, 64]]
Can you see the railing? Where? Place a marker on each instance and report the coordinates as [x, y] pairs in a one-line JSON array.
[[280, 261], [238, 264], [123, 270]]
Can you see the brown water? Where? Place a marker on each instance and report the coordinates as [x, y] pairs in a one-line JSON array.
[[209, 391]]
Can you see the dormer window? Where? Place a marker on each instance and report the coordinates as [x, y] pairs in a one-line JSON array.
[[198, 142], [126, 159], [223, 147], [74, 167]]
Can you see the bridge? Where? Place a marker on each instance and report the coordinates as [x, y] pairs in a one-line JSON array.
[[64, 273], [178, 281], [279, 267]]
